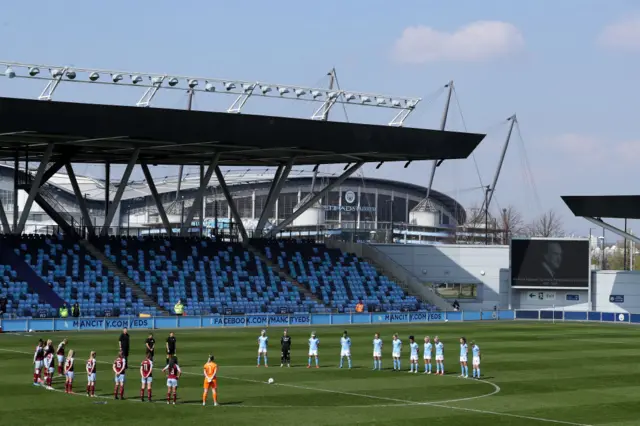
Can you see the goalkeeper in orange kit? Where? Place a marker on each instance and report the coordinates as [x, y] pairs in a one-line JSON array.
[[210, 381]]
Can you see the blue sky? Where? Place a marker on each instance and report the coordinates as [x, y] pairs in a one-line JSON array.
[[567, 68]]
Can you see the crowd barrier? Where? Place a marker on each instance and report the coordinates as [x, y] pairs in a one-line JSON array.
[[151, 323]]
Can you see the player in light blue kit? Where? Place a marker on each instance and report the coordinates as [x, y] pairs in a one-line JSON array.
[[475, 349], [377, 352], [345, 349], [464, 352], [413, 358], [396, 352], [314, 342], [428, 350], [439, 356], [263, 342]]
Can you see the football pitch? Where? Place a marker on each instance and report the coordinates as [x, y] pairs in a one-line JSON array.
[[533, 374]]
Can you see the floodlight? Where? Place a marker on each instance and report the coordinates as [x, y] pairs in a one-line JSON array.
[[332, 95], [209, 87], [116, 77], [192, 83], [349, 97], [381, 101], [283, 90], [229, 86], [395, 102], [300, 92], [71, 74], [411, 103], [9, 72], [94, 76], [248, 87], [33, 71], [265, 89], [55, 73], [173, 81], [365, 99], [135, 79], [156, 81], [316, 94]]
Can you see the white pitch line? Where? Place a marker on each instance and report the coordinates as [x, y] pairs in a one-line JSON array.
[[401, 401]]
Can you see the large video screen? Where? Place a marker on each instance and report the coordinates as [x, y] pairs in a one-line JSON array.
[[550, 263]]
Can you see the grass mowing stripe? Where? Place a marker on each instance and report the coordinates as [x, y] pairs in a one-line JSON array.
[[439, 404]]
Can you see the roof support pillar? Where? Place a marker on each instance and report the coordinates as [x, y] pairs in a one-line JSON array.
[[343, 177], [274, 192], [33, 191], [120, 191], [232, 205], [16, 188], [605, 225], [197, 201], [156, 197], [80, 198], [6, 228]]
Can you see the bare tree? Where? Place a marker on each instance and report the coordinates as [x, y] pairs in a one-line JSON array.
[[511, 222], [547, 225]]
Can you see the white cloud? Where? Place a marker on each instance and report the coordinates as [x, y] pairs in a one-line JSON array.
[[477, 41], [622, 35], [592, 149]]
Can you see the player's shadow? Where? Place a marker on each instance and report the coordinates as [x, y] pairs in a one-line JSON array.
[[199, 401]]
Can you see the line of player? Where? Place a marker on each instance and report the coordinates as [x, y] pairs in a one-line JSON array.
[[44, 369], [396, 353]]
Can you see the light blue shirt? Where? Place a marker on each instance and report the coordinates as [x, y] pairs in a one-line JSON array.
[[397, 345], [428, 348], [463, 349], [414, 349], [313, 343], [377, 345], [262, 342], [439, 348], [345, 342], [476, 350]]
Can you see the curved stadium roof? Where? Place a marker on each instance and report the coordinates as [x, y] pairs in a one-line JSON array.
[[237, 179]]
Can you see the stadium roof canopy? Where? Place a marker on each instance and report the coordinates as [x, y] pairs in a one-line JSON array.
[[92, 133], [595, 207], [58, 134]]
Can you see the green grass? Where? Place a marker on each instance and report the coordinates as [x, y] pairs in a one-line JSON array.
[[535, 373]]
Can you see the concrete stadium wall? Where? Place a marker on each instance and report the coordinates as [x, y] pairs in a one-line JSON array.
[[489, 267]]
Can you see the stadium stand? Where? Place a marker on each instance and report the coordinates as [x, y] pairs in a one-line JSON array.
[[207, 276], [69, 270], [340, 280]]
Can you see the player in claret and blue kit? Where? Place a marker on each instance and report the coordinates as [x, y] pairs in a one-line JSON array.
[[413, 357], [173, 372], [377, 352], [345, 349], [428, 350], [119, 368], [476, 360], [464, 352], [69, 366], [38, 361], [314, 342], [91, 375], [263, 342], [396, 344], [146, 374]]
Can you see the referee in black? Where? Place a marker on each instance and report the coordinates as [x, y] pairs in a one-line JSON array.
[[123, 343], [171, 347], [285, 347]]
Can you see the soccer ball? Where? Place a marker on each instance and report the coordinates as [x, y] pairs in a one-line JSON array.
[[31, 330], [446, 320], [270, 381]]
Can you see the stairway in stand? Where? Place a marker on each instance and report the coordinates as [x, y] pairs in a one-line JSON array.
[[285, 275], [135, 288]]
